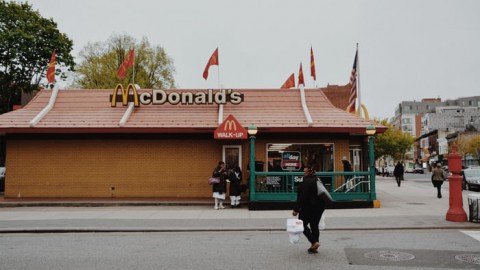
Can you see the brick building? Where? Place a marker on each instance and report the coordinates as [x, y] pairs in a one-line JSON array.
[[82, 146]]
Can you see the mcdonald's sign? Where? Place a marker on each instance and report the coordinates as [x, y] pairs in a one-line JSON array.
[[125, 95], [230, 129], [160, 97]]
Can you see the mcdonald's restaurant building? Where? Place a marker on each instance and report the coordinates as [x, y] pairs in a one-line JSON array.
[[128, 143]]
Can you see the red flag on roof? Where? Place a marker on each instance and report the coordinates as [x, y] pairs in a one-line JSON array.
[[300, 76], [312, 65], [51, 69], [353, 84], [211, 62], [289, 83], [128, 62]]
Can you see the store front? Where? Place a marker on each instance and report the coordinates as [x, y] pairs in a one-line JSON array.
[[164, 144]]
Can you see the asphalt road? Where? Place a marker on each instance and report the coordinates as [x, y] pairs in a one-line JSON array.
[[240, 250]]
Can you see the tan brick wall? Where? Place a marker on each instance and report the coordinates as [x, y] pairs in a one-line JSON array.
[[126, 168], [91, 168]]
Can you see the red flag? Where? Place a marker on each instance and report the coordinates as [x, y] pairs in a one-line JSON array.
[[300, 76], [289, 83], [312, 65], [211, 62], [353, 83], [128, 62], [51, 69]]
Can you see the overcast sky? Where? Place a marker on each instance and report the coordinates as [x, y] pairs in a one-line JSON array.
[[408, 50]]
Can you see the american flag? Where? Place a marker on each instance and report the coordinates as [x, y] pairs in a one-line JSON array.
[[353, 83]]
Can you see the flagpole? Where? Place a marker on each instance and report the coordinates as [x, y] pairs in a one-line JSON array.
[[133, 77], [358, 84], [220, 106], [218, 70]]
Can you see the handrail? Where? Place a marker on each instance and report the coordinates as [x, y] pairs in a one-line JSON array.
[[47, 108]]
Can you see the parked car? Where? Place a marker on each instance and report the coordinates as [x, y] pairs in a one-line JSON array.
[[471, 178], [418, 169]]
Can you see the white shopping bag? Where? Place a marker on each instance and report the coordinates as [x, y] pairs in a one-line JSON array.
[[322, 223], [294, 229]]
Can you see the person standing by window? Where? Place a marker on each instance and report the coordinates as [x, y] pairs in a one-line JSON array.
[[235, 177], [346, 168], [219, 189], [309, 207]]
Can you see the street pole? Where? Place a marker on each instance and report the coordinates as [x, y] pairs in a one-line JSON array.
[[252, 168], [372, 168], [455, 212]]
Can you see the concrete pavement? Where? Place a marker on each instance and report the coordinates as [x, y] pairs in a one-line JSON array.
[[414, 205]]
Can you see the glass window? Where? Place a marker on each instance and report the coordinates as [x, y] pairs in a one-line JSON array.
[[294, 157]]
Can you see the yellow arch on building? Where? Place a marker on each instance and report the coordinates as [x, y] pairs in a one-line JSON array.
[[357, 112]]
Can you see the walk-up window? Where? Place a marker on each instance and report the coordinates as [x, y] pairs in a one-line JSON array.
[[232, 155], [293, 157], [356, 157]]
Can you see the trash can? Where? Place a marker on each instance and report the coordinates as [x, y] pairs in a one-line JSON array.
[[474, 208]]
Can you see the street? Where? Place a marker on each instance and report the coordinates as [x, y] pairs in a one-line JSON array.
[[238, 250], [409, 230]]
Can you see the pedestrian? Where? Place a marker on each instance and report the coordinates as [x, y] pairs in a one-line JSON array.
[[235, 177], [309, 207], [438, 177], [346, 168], [398, 173], [219, 189]]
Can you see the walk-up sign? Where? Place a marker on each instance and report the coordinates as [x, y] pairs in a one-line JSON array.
[[230, 129]]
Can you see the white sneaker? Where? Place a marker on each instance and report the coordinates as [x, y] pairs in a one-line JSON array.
[[216, 207], [221, 207]]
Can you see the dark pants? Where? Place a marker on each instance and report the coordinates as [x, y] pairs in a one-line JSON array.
[[438, 185], [398, 178], [310, 219]]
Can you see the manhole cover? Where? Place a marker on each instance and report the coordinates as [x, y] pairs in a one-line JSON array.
[[389, 255], [469, 258]]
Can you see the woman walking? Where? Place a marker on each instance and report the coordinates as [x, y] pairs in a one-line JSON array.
[[310, 208], [398, 173], [437, 179]]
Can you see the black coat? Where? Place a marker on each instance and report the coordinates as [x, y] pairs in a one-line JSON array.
[[222, 186], [235, 182], [308, 200], [398, 171]]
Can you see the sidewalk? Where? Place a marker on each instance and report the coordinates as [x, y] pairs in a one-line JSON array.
[[412, 206]]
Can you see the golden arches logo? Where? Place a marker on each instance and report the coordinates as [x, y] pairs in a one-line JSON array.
[[229, 124], [125, 94], [357, 112]]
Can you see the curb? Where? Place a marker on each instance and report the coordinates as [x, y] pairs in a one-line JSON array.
[[213, 229]]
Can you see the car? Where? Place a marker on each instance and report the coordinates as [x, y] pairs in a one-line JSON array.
[[418, 169], [471, 178]]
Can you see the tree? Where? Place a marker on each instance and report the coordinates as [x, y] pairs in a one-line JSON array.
[[469, 144], [101, 60], [392, 142], [27, 41]]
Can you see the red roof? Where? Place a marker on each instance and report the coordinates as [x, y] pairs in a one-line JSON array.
[[271, 110]]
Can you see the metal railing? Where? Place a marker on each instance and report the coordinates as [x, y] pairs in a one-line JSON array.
[[282, 186]]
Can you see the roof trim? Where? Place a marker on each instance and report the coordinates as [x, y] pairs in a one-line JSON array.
[[47, 108], [358, 131]]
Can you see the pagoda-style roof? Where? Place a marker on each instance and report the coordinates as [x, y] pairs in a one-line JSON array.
[[271, 110]]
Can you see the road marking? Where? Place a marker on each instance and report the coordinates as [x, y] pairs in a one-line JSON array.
[[473, 234]]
